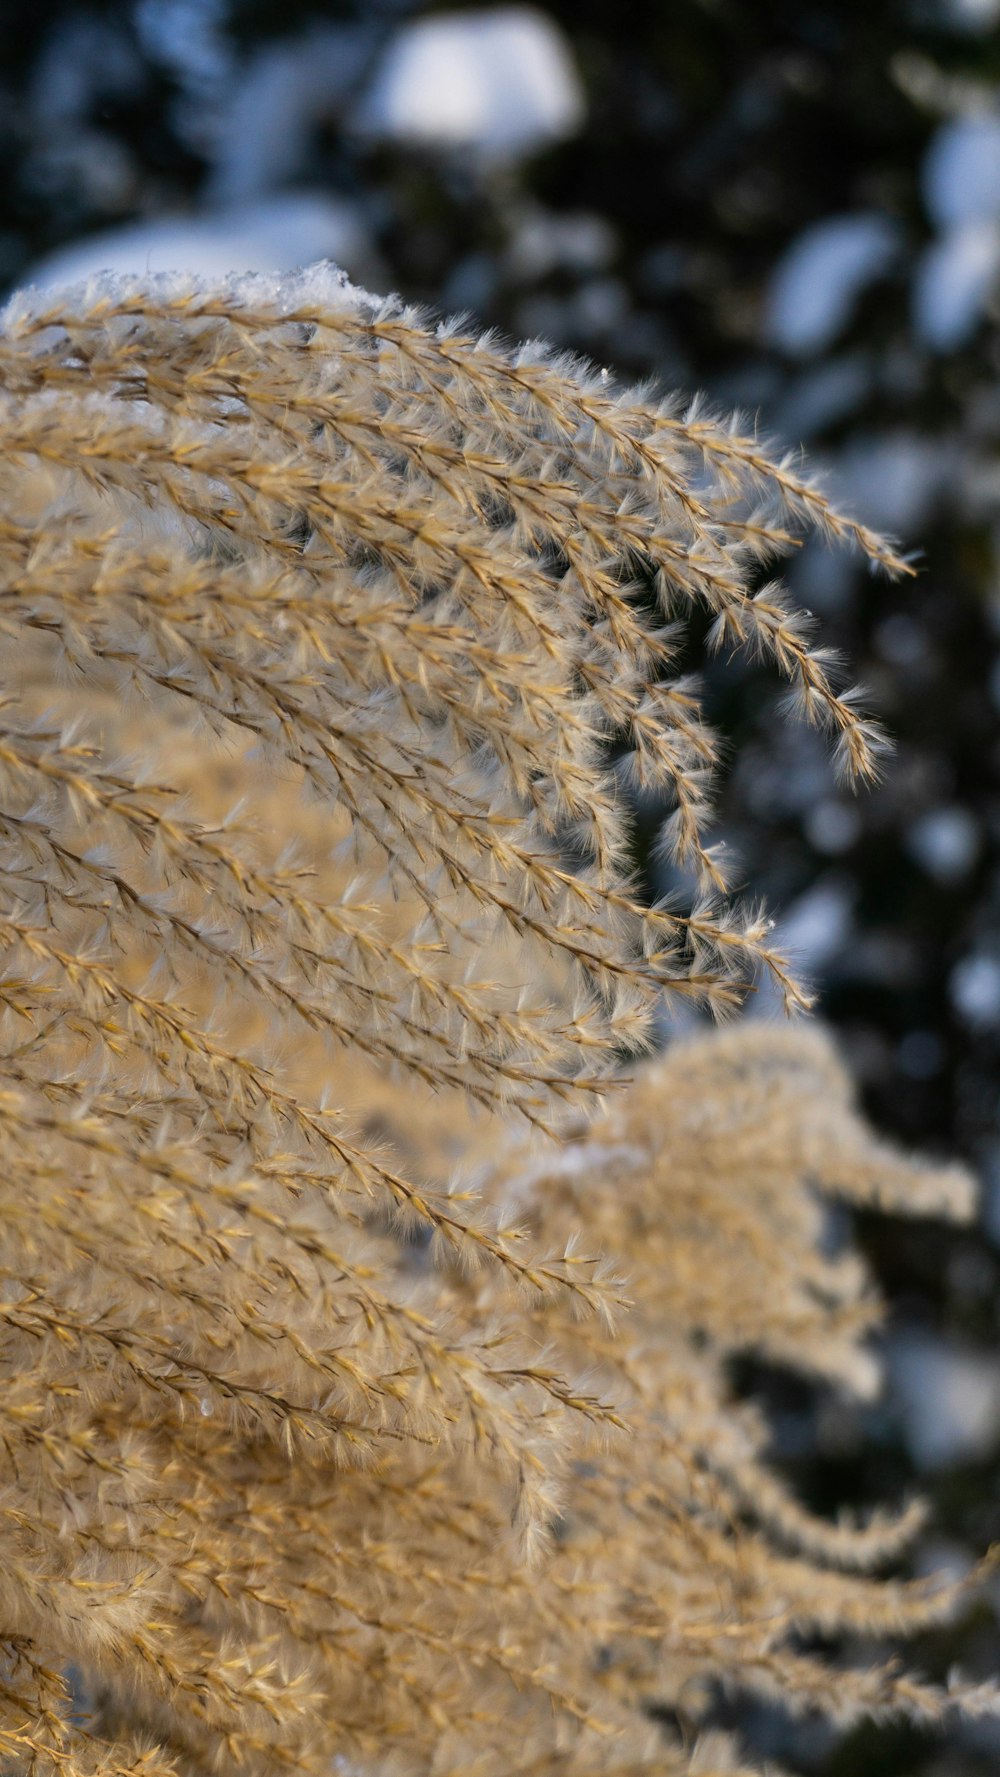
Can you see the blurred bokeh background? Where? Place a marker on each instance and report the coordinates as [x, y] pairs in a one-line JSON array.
[[796, 209]]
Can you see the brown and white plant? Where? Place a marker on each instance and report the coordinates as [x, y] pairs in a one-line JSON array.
[[366, 1308]]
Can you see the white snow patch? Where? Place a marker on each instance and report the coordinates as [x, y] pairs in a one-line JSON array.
[[277, 235], [948, 1398], [970, 15], [820, 397], [598, 306], [85, 56], [318, 286], [945, 841], [892, 478], [817, 925], [817, 282], [503, 82], [284, 93], [954, 278], [187, 37], [544, 240], [900, 640], [831, 826], [961, 171], [974, 986]]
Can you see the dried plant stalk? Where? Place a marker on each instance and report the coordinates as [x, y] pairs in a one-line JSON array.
[[332, 642]]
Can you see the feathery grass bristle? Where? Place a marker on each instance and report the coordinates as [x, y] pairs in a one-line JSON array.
[[333, 643]]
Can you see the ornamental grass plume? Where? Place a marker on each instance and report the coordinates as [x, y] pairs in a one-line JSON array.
[[366, 1311]]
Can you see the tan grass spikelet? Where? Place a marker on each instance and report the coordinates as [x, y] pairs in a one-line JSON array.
[[330, 643]]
